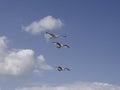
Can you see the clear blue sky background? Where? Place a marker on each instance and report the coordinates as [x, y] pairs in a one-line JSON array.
[[93, 33]]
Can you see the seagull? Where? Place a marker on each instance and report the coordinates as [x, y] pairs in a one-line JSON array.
[[58, 45], [59, 68], [53, 36]]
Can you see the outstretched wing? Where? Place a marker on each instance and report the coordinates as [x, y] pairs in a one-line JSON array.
[[60, 36], [50, 35], [58, 45], [66, 69], [53, 36], [66, 46], [59, 68]]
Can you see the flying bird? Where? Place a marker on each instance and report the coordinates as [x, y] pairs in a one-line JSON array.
[[59, 68], [53, 36], [59, 45]]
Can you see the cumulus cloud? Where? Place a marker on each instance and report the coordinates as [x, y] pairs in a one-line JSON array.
[[74, 86], [41, 63], [18, 61], [46, 23], [3, 46]]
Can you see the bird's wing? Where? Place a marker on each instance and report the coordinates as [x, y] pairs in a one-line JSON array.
[[50, 34], [66, 69], [59, 68], [66, 46], [58, 44], [59, 36]]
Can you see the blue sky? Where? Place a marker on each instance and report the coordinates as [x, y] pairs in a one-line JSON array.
[[28, 61]]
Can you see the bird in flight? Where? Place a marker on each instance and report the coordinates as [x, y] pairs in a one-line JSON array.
[[59, 68], [53, 36], [59, 45]]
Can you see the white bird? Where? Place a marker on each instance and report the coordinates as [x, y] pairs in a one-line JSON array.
[[59, 68], [59, 45], [53, 36]]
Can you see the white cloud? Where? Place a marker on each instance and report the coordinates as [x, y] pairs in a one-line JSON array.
[[41, 65], [46, 23], [18, 61], [3, 42], [74, 86]]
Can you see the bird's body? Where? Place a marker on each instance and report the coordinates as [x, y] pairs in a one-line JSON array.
[[59, 68], [53, 36], [59, 45]]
